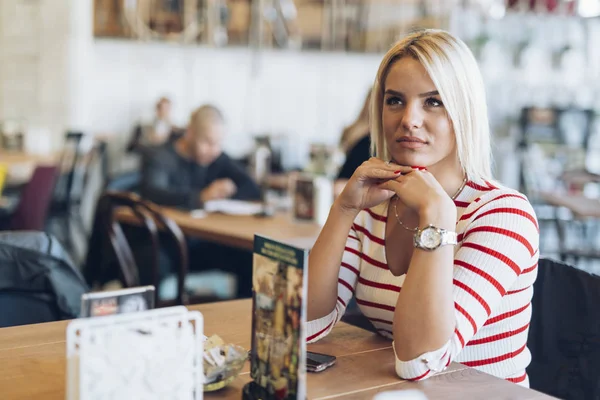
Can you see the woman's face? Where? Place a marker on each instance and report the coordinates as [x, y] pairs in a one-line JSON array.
[[417, 128]]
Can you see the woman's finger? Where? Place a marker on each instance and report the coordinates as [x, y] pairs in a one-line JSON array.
[[389, 165], [396, 167], [379, 173], [391, 185]]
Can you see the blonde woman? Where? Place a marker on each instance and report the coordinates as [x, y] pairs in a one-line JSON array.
[[439, 258]]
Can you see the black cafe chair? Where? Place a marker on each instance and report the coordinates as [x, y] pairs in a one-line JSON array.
[[564, 335]]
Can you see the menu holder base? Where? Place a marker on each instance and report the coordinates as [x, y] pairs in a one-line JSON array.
[[253, 391]]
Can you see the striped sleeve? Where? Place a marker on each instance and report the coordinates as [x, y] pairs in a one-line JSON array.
[[348, 276], [500, 243]]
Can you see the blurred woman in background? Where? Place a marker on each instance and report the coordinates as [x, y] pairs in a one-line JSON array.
[[356, 145]]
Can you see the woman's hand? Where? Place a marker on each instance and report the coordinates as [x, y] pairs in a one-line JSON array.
[[420, 191], [368, 185]]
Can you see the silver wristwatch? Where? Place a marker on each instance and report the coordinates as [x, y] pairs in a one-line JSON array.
[[431, 237]]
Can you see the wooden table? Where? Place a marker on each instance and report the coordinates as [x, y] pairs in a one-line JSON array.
[[580, 177], [238, 230], [581, 206], [21, 165], [33, 363]]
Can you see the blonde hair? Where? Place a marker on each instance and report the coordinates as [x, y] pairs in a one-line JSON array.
[[454, 71], [203, 115]]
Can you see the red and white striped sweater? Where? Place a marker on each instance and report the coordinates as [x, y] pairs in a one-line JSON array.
[[495, 265]]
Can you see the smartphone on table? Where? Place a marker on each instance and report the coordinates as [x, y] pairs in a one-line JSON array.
[[317, 362]]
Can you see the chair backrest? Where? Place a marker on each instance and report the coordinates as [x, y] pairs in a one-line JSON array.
[[90, 152], [108, 233], [78, 154], [564, 336], [38, 282], [68, 160], [32, 210], [101, 151]]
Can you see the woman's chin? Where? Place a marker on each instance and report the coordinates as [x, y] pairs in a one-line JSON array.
[[411, 161]]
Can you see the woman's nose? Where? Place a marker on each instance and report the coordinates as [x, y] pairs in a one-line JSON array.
[[413, 116]]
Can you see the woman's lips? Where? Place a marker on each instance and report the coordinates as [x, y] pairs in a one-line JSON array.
[[411, 142]]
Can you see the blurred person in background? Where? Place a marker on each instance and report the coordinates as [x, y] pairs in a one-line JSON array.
[[158, 132], [194, 169], [191, 171], [144, 138], [356, 145]]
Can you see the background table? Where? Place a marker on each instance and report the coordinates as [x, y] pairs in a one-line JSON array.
[[20, 165], [581, 206], [33, 363], [238, 230]]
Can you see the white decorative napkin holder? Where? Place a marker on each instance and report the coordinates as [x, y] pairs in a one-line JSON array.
[[155, 354]]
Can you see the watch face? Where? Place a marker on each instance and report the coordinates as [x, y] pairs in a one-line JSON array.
[[431, 238]]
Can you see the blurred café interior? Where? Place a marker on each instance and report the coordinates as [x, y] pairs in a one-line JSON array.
[[92, 92]]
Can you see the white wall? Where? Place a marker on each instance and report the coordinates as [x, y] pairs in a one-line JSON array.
[[55, 77], [44, 45], [306, 96]]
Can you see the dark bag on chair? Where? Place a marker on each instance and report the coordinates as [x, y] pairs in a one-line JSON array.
[[564, 336], [38, 282]]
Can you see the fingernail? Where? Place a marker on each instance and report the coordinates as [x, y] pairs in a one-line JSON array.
[[398, 172], [419, 168]]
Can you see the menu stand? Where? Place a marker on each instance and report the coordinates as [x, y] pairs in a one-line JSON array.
[[253, 391]]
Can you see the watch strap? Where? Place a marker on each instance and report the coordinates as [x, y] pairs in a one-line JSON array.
[[448, 238]]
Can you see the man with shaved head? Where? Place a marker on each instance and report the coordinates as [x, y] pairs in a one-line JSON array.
[[194, 169]]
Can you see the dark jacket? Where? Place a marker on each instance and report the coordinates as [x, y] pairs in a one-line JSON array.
[[135, 143], [169, 179], [358, 154], [34, 263]]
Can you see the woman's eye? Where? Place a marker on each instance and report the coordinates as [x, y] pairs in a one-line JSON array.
[[433, 102], [393, 101]]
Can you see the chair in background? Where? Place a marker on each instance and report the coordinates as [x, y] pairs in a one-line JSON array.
[[108, 237], [564, 335], [578, 237], [32, 209], [552, 141], [101, 151], [354, 316], [79, 153], [38, 282]]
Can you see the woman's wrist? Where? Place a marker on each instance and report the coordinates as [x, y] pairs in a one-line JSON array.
[[439, 212], [343, 210]]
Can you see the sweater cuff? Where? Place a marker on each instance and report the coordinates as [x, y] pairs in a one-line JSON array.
[[319, 328], [425, 365]]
